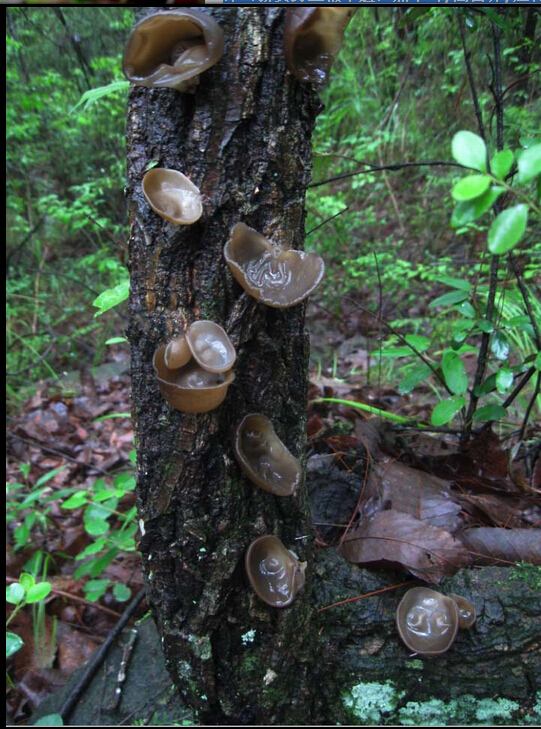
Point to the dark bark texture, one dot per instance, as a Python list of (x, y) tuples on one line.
[(244, 137)]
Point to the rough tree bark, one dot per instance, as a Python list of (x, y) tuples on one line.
[(244, 138)]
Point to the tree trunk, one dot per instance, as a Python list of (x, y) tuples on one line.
[(244, 139)]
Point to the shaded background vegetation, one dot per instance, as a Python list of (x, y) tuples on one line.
[(398, 93)]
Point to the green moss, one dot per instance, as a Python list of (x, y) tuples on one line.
[(367, 703)]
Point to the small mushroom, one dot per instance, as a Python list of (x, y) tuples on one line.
[(177, 353), (312, 38), (190, 389), (275, 573), (466, 611), (278, 278), (172, 195), (427, 621), (264, 458), (171, 48), (210, 346)]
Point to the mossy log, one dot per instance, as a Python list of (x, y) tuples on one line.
[(244, 137)]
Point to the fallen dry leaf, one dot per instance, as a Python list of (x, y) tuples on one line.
[(394, 539)]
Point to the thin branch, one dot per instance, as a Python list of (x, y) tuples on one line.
[(368, 594), (530, 406), (98, 658), (55, 452), (326, 221), (394, 167)]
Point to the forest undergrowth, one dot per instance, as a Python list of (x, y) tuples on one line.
[(428, 318)]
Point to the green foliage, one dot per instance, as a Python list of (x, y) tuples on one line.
[(29, 507), (65, 155), (399, 233)]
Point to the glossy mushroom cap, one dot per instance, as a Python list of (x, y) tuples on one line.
[(190, 389), (427, 621), (274, 572), (264, 458), (466, 611), (172, 195), (172, 48), (177, 353), (275, 277), (210, 346), (312, 38)]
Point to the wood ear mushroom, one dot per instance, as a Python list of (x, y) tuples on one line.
[(172, 196), (312, 38), (171, 48), (264, 458), (275, 573), (427, 621), (276, 277), (194, 371)]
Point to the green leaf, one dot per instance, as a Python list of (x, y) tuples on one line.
[(397, 352), (27, 580), (121, 592), (49, 720), (413, 378), (92, 95), (504, 380), (499, 345), (453, 297), (96, 527), (93, 548), (501, 163), (93, 586), (446, 410), (116, 340), (13, 643), (15, 593), (418, 341), (454, 372), (76, 501), (469, 210), (537, 363), (529, 163), (470, 187), (110, 416), (507, 229), (101, 563), (124, 481), (48, 476), (490, 412), (485, 326), (38, 592), (470, 150), (112, 297), (466, 309), (455, 283)]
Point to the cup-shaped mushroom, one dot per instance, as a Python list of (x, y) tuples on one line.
[(264, 458), (427, 621), (177, 353), (191, 389), (312, 38), (278, 278), (172, 48), (275, 573), (211, 347), (466, 611), (172, 195)]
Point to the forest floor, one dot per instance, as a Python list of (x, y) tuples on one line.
[(74, 437)]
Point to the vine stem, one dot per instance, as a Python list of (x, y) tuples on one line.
[(494, 263)]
